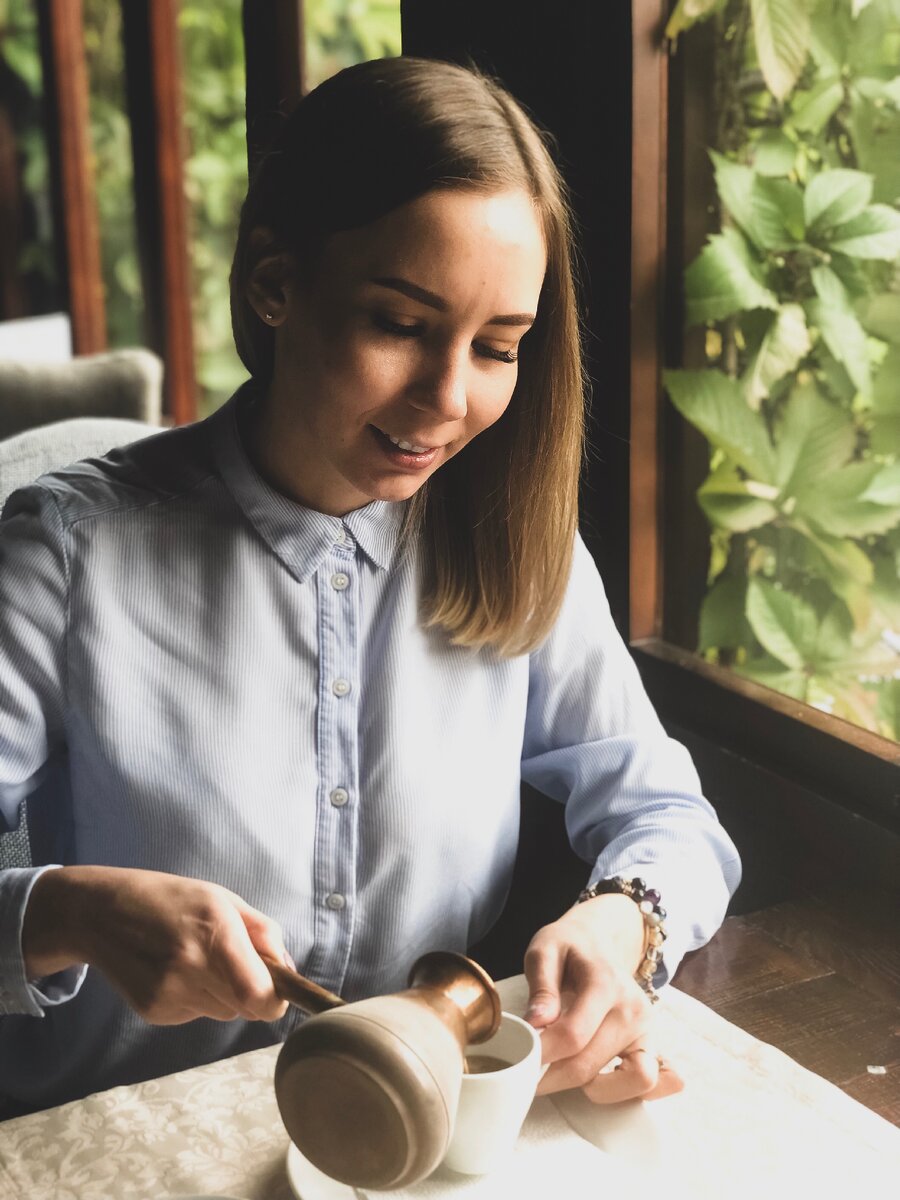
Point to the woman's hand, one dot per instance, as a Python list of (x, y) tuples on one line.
[(582, 995), (175, 948)]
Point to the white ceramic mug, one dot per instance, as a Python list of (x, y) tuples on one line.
[(493, 1105)]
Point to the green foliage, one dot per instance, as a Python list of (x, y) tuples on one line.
[(799, 393), (342, 32), (212, 47), (338, 33)]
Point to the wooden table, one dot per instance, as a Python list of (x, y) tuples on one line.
[(818, 977)]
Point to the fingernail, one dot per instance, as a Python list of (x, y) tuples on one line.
[(536, 1012), (289, 962)]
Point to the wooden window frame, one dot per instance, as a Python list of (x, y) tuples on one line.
[(65, 85)]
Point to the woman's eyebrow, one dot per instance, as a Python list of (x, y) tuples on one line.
[(414, 292)]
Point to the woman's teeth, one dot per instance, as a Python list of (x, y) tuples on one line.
[(408, 446)]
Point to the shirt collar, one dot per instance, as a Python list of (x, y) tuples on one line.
[(299, 536)]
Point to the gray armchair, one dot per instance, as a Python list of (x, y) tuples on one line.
[(43, 426), (123, 383)]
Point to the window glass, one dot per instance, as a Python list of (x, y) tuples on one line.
[(29, 283), (215, 172), (113, 177), (786, 367), (342, 32)]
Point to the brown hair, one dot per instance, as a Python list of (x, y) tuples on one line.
[(496, 523)]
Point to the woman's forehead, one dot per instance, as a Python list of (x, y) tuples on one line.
[(448, 237)]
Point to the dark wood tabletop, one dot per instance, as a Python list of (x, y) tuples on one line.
[(818, 977)]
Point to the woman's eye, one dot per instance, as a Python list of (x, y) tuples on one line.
[(396, 327), (503, 356)]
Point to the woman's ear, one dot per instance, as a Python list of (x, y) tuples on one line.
[(270, 283)]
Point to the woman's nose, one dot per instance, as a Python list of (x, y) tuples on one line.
[(443, 387)]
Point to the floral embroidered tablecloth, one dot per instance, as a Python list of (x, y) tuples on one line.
[(751, 1123)]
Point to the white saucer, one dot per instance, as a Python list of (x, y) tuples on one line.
[(309, 1183)]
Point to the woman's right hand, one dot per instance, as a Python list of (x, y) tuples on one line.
[(175, 948)]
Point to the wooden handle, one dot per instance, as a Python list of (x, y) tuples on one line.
[(298, 990)]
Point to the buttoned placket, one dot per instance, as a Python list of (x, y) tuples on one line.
[(339, 697)]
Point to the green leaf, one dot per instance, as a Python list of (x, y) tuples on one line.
[(734, 182), (886, 390), (814, 438), (839, 327), (690, 12), (838, 503), (884, 488), (715, 405), (879, 89), (723, 280), (834, 196), (774, 153), (814, 109), (880, 315), (736, 504), (833, 640), (785, 343), (770, 211), (784, 624), (875, 136), (773, 674), (723, 624), (781, 31), (841, 560), (889, 707), (873, 233), (884, 436)]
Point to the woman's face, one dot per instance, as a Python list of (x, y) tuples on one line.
[(401, 349)]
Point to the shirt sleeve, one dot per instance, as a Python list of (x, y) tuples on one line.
[(33, 601), (633, 800)]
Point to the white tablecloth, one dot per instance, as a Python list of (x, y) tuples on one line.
[(750, 1123)]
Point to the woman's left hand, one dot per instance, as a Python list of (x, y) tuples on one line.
[(583, 997)]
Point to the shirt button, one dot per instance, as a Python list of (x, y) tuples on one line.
[(340, 581), (335, 901), (341, 687), (339, 797), (340, 537)]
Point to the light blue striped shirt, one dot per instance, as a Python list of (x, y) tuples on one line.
[(198, 675)]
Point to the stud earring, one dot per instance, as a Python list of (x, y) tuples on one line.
[(270, 317)]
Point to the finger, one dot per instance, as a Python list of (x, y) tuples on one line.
[(266, 935), (239, 978), (214, 1008), (669, 1082), (640, 1075), (172, 1011), (582, 1066), (543, 972), (636, 1075), (601, 1019)]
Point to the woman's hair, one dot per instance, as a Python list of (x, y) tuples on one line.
[(497, 522)]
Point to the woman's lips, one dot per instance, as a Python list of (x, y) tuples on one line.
[(406, 459)]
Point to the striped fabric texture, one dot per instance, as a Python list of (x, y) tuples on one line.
[(199, 676)]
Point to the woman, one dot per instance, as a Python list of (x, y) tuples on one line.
[(271, 682)]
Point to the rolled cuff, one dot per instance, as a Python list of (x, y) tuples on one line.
[(17, 994), (695, 902)]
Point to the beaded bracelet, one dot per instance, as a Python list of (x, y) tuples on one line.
[(647, 900)]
